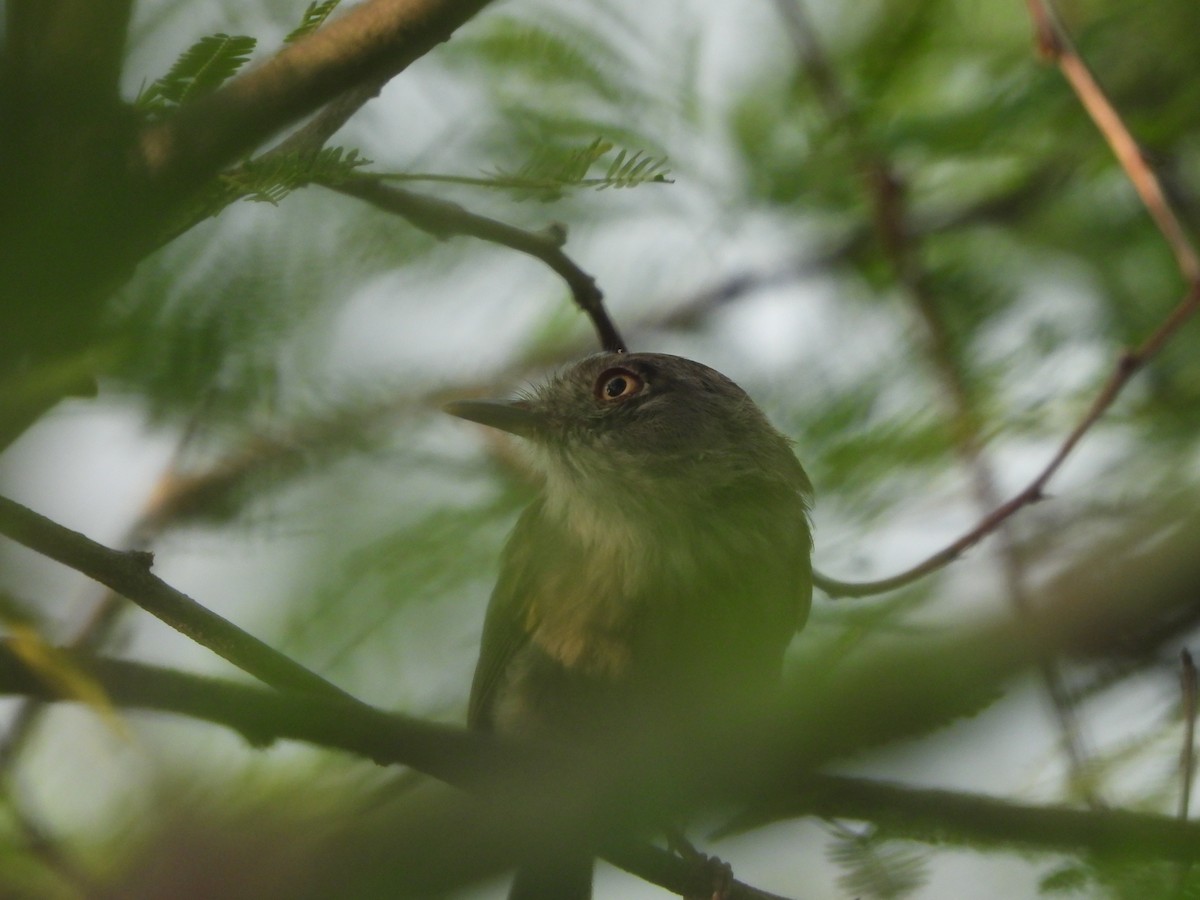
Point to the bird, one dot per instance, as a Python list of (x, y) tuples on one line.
[(659, 573)]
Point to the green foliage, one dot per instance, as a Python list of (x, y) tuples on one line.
[(562, 55), (314, 17), (269, 178), (552, 171), (882, 869), (201, 69), (552, 79), (1069, 879), (272, 176), (357, 608), (1121, 879), (1039, 261)]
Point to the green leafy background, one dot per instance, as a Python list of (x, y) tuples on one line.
[(290, 356)]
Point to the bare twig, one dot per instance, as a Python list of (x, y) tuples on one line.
[(442, 219), (1055, 45), (1129, 363), (128, 573), (686, 877)]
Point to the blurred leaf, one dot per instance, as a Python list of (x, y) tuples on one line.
[(59, 672), (314, 17), (877, 868), (201, 69)]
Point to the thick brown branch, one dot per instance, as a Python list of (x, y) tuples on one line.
[(372, 42)]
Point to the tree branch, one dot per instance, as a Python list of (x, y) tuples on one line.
[(369, 44), (128, 573), (443, 219), (1055, 45), (625, 782), (940, 817), (1128, 364), (469, 759)]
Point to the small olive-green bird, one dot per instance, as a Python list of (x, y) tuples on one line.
[(660, 573)]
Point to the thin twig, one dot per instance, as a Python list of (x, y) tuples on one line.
[(312, 136), (1129, 363), (442, 219), (1055, 45), (105, 612), (1187, 766), (686, 877)]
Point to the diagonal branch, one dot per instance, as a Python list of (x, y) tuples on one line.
[(1129, 364), (128, 573), (498, 771), (1055, 45), (369, 44), (632, 780)]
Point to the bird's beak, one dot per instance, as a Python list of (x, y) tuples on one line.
[(517, 417)]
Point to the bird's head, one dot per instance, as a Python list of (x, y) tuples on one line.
[(634, 427)]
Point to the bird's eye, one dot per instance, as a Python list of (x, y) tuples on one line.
[(615, 385)]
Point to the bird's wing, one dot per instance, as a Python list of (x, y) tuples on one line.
[(504, 632)]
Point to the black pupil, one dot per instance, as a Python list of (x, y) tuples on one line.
[(615, 387)]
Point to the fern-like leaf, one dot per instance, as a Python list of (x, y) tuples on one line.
[(314, 17), (271, 178), (268, 180), (552, 171), (202, 68), (638, 169), (876, 868)]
